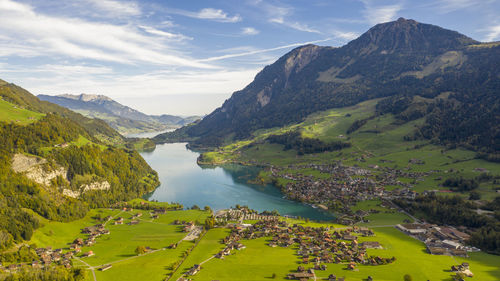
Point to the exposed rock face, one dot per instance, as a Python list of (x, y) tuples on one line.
[(104, 185), (34, 169)]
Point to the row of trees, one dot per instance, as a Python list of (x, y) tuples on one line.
[(294, 140), (458, 212)]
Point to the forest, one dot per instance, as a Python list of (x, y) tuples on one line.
[(294, 140), (457, 211), (128, 174)]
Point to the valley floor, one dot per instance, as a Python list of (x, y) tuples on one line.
[(258, 261)]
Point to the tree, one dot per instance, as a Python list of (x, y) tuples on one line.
[(195, 207), (140, 250), (407, 277), (474, 195), (210, 222), (208, 209)]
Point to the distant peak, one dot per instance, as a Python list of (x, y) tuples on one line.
[(86, 97), (407, 21)]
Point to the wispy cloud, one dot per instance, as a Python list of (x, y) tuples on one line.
[(493, 33), (345, 35), (281, 15), (375, 13), (43, 35), (116, 8), (208, 14), (248, 53), (249, 31), (447, 6), (165, 34)]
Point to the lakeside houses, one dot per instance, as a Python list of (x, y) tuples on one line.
[(346, 185), (188, 227), (241, 214), (439, 240)]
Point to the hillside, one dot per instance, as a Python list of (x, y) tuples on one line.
[(120, 117), (400, 59), (57, 164)]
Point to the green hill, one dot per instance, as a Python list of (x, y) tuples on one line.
[(58, 164)]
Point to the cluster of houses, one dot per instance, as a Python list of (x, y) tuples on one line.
[(346, 185), (47, 257), (462, 269), (316, 246), (241, 214), (440, 240)]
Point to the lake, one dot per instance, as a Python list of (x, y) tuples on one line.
[(185, 182)]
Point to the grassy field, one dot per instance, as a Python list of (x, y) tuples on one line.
[(12, 113), (374, 143), (259, 262), (118, 248), (385, 216)]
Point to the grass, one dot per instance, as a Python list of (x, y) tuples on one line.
[(259, 261), (12, 113), (206, 248), (59, 234), (384, 217), (379, 139)]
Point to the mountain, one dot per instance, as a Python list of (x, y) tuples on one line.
[(121, 117), (403, 58)]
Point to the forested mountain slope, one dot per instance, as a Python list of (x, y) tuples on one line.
[(399, 59), (58, 163)]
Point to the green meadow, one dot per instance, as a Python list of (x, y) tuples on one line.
[(378, 142), (257, 262), (13, 113)]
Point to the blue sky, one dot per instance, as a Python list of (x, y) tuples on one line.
[(186, 57)]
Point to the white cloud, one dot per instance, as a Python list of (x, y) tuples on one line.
[(281, 14), (345, 35), (493, 33), (249, 31), (208, 14), (42, 35), (116, 8), (168, 35), (253, 52), (375, 14), (297, 26), (447, 6)]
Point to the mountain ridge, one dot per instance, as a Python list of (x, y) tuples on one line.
[(402, 57), (118, 116)]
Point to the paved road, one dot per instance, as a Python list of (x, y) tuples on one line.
[(90, 267)]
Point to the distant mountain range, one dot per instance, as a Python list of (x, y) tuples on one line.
[(392, 61), (121, 117)]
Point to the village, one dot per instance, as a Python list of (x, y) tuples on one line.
[(439, 240), (48, 256), (316, 247), (346, 185)]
